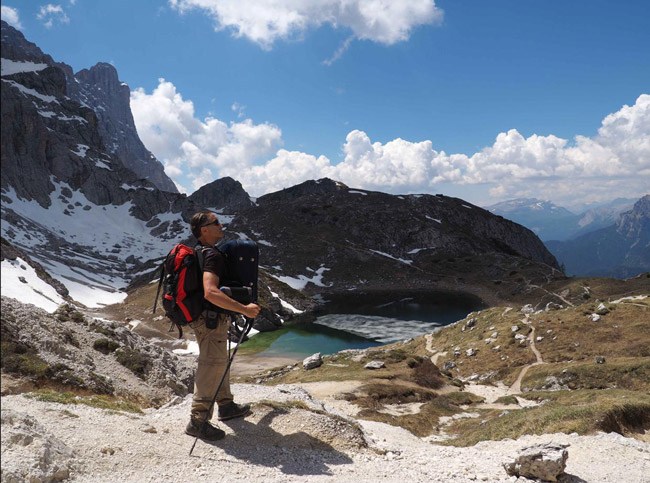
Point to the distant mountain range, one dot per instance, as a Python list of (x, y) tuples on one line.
[(552, 222), (97, 219), (620, 250)]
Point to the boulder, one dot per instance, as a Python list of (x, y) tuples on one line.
[(527, 309), (312, 362), (375, 365), (471, 352), (30, 452), (552, 306), (448, 365), (599, 360), (601, 309), (543, 461), (594, 317)]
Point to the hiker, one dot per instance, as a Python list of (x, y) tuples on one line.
[(213, 354)]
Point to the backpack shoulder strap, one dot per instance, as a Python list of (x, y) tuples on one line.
[(200, 256)]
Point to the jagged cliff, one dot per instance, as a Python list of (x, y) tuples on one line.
[(97, 89)]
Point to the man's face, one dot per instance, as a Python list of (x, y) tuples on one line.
[(212, 231)]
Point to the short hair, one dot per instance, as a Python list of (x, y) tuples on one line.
[(198, 220)]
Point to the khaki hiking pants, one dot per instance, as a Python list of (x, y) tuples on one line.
[(213, 360)]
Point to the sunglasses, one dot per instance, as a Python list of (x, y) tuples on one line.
[(215, 222)]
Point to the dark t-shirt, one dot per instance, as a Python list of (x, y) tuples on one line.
[(213, 262)]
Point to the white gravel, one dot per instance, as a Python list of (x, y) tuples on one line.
[(96, 445)]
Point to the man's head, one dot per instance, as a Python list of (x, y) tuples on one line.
[(206, 227)]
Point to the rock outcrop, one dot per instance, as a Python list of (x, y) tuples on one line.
[(545, 462), (80, 353)]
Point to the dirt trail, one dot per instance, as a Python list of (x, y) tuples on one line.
[(516, 387)]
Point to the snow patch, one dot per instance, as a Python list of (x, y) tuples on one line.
[(81, 150), (433, 219), (31, 92), (380, 329), (355, 192), (301, 281), (10, 67), (383, 254), (285, 304), (32, 291)]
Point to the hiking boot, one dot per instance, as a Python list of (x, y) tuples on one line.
[(203, 430), (233, 410)]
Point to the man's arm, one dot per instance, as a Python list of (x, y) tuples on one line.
[(215, 296)]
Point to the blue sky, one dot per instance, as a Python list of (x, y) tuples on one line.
[(476, 99)]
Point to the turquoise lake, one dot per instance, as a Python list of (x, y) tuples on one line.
[(366, 321)]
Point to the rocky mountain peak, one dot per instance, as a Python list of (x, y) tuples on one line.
[(311, 187), (222, 194), (16, 47), (635, 222)]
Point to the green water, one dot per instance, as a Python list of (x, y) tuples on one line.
[(300, 341), (361, 321)]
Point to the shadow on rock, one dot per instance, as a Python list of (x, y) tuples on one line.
[(567, 478), (297, 453)]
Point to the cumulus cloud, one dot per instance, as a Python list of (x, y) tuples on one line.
[(615, 162), (49, 14), (264, 22), (10, 15), (197, 148)]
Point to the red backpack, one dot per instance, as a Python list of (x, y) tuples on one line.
[(182, 281)]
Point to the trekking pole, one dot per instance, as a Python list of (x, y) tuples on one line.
[(249, 322)]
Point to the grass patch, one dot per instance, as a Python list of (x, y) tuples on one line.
[(464, 398), (425, 422), (21, 359), (626, 373), (582, 412), (427, 374), (105, 346), (100, 329), (97, 401), (507, 400), (136, 361)]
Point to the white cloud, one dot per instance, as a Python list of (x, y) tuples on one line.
[(50, 13), (239, 109), (10, 15), (193, 147), (615, 162), (264, 22)]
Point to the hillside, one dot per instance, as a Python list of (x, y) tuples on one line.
[(492, 383)]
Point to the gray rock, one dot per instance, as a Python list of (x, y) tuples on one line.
[(448, 365), (599, 360), (527, 309), (30, 452), (471, 352), (312, 362), (544, 461), (375, 365), (594, 317), (601, 309), (552, 306)]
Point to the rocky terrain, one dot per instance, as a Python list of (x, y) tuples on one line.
[(461, 404)]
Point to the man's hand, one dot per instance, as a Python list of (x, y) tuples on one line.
[(251, 310)]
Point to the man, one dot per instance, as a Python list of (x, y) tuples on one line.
[(213, 354)]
